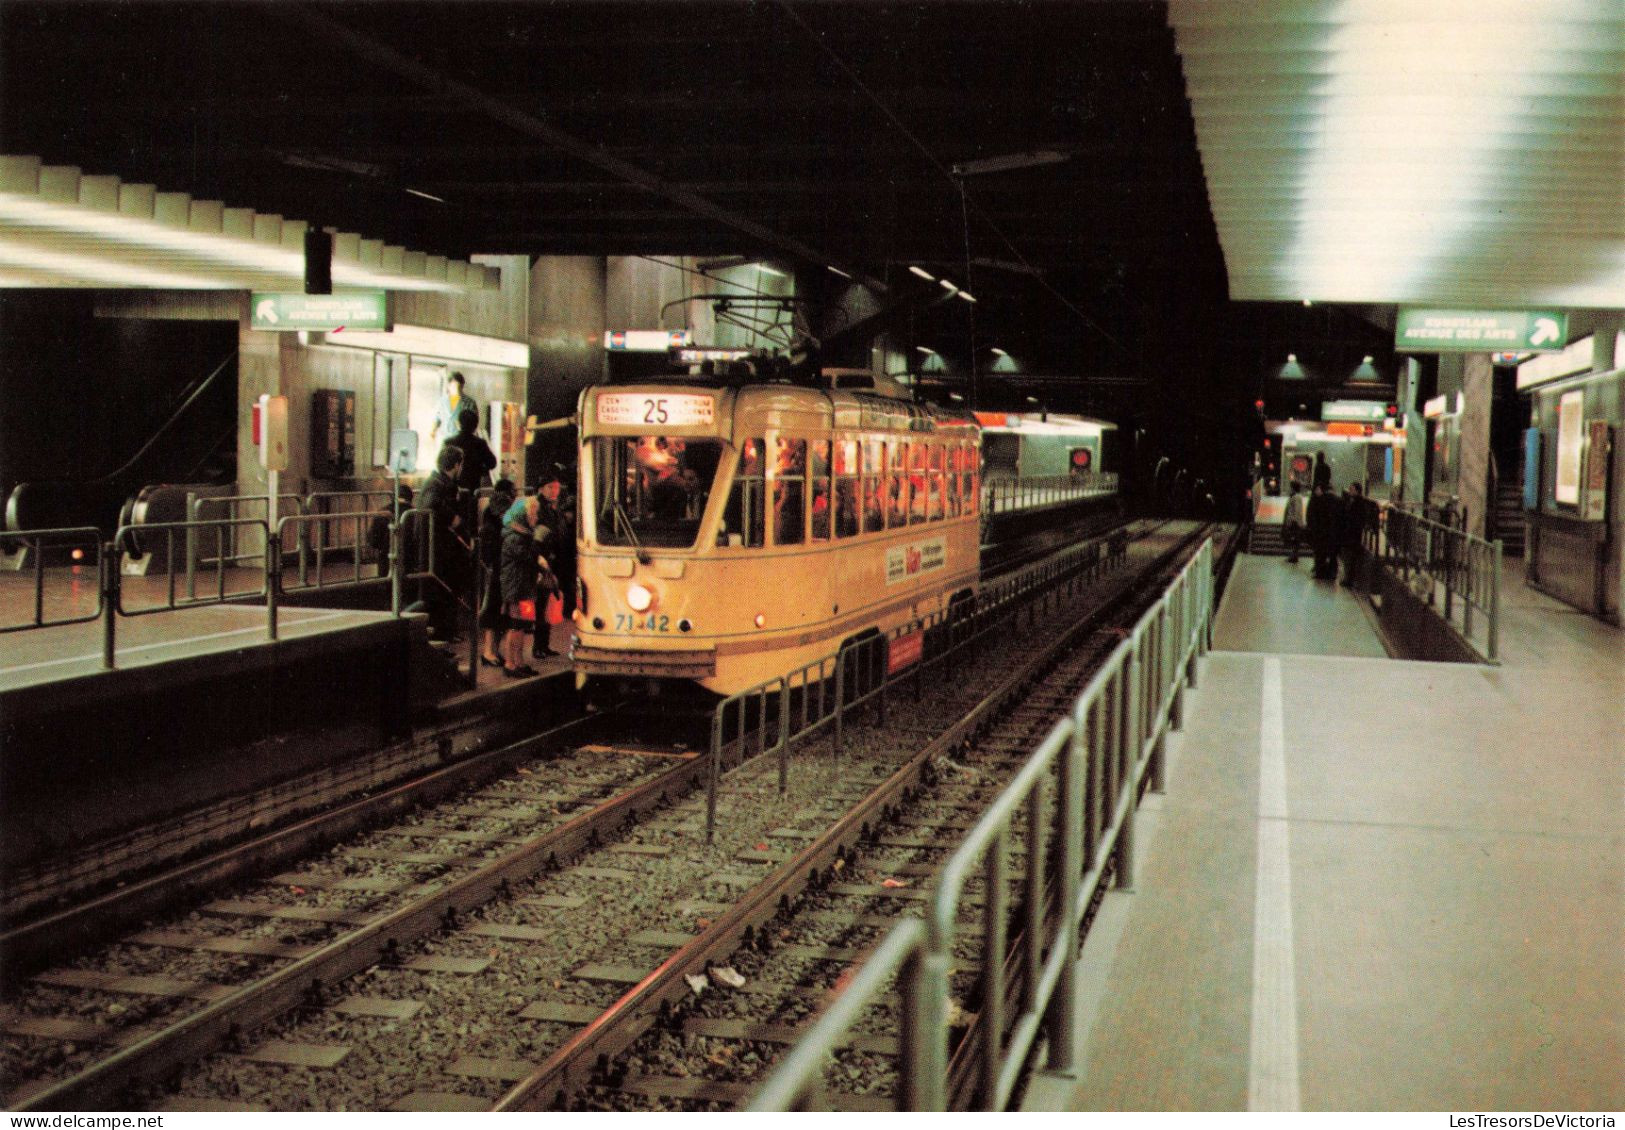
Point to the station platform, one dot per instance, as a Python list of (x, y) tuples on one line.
[(201, 705), (1371, 884)]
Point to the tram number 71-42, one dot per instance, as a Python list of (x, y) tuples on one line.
[(625, 623)]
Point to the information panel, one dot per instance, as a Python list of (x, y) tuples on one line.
[(1479, 331), (353, 310), (1570, 438), (665, 410)]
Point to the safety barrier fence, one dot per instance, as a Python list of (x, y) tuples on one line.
[(79, 547), (1455, 573), (415, 551), (1073, 801), (1001, 496), (205, 548), (774, 715)]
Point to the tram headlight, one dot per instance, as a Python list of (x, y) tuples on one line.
[(640, 598)]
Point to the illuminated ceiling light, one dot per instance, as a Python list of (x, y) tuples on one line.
[(94, 270), (1366, 360), (967, 296), (946, 285), (923, 273), (774, 271), (956, 398), (838, 271), (425, 195), (999, 351), (1306, 302), (232, 262), (925, 349), (1291, 358), (426, 341), (1366, 150)]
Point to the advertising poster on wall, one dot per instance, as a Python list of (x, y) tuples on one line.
[(1598, 445), (1570, 438)]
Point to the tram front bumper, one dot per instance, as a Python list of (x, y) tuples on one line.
[(654, 664)]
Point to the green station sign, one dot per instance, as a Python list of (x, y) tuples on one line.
[(1479, 331), (352, 310)]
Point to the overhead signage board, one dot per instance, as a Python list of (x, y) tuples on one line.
[(645, 341), (1362, 411), (352, 310), (1419, 330), (1576, 357)]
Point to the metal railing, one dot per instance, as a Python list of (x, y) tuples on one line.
[(1096, 757), (40, 544), (1455, 573), (774, 715), (1001, 496)]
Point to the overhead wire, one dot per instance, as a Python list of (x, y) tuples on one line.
[(957, 182)]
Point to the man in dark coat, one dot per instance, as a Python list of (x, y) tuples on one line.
[(441, 543), (1351, 522), (1323, 532)]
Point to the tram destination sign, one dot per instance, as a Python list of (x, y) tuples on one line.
[(352, 310), (681, 410), (1419, 330)]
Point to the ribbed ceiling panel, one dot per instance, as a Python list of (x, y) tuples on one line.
[(1469, 152)]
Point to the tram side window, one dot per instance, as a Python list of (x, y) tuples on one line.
[(846, 488), (874, 485), (819, 481), (917, 482), (789, 491), (968, 482), (744, 521), (897, 489), (950, 482), (935, 481)]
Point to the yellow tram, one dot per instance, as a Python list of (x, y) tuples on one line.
[(732, 533)]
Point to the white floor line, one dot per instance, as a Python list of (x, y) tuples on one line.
[(291, 623), (1272, 1082)]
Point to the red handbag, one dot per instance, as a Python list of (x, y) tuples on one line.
[(527, 610), (555, 608)]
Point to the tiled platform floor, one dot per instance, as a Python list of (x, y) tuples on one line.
[(1372, 884)]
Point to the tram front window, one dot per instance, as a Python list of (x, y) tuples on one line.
[(652, 490)]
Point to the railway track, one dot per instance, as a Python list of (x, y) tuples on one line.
[(405, 903)]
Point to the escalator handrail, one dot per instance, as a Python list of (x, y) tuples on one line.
[(163, 428)]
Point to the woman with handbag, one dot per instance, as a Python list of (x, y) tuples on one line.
[(521, 572)]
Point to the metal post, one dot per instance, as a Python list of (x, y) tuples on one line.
[(109, 583), (784, 733), (273, 579), (912, 1028), (713, 772), (840, 698), (995, 910), (931, 1068), (39, 579), (1036, 805), (1495, 604), (1130, 741), (191, 546), (1061, 1017), (304, 539), (395, 564)]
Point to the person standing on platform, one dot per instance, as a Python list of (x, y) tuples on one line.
[(1322, 515), (453, 403), (1323, 473), (1294, 521), (493, 622), (555, 541), (521, 569), (444, 545), (478, 463), (1350, 531)]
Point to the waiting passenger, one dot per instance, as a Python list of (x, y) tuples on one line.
[(521, 569), (493, 623), (1351, 522), (447, 552), (1292, 524), (1322, 514)]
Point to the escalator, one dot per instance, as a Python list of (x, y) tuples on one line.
[(195, 443)]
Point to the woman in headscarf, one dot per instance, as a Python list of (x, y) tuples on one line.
[(521, 567)]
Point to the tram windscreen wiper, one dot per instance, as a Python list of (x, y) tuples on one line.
[(624, 524)]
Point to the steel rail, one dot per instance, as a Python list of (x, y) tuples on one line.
[(230, 1018), (29, 945), (574, 1065)]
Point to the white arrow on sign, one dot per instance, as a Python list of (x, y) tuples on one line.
[(267, 311), (1545, 330)]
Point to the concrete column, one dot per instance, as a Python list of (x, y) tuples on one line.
[(1474, 486)]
